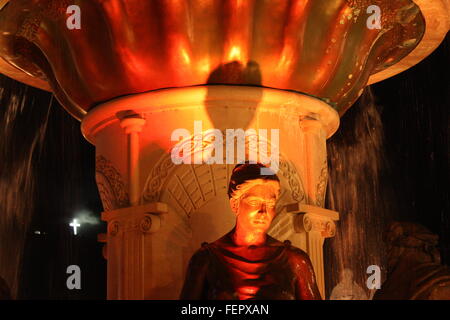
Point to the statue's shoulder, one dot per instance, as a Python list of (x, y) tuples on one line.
[(295, 253), (272, 242), (292, 251), (202, 255)]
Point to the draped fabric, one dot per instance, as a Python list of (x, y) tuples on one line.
[(276, 271)]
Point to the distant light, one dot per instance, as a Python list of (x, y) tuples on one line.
[(75, 225), (37, 232)]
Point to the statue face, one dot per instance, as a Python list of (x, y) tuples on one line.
[(255, 209)]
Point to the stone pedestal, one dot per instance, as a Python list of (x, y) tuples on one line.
[(139, 182)]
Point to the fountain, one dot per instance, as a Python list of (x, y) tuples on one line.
[(136, 71)]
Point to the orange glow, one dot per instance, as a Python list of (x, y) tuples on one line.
[(235, 54), (185, 55), (290, 52), (330, 59), (246, 292), (204, 66), (239, 36), (128, 47), (287, 58)]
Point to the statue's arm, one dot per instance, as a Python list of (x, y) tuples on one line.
[(196, 285), (306, 285)]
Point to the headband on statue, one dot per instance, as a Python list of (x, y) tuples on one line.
[(246, 172)]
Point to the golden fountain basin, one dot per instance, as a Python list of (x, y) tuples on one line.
[(322, 48)]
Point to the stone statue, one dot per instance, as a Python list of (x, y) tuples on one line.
[(246, 263), (414, 268), (347, 289)]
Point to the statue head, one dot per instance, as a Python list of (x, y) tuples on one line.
[(253, 197)]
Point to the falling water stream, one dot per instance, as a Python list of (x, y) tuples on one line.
[(47, 178), (355, 155), (23, 123), (390, 161)]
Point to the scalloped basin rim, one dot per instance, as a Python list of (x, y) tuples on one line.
[(333, 84), (437, 21), (436, 30)]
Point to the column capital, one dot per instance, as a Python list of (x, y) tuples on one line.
[(315, 223), (144, 218), (132, 123), (310, 124), (314, 219)]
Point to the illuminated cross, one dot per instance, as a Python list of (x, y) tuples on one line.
[(75, 225)]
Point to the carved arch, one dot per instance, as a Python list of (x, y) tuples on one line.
[(192, 185)]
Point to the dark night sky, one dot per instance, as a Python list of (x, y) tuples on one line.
[(398, 135), (66, 179), (415, 115), (414, 108)]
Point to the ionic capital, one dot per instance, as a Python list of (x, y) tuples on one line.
[(145, 218), (314, 219)]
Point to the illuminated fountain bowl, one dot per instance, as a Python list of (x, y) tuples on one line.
[(322, 48)]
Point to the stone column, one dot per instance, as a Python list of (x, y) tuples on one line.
[(129, 249), (315, 158), (132, 124), (318, 224)]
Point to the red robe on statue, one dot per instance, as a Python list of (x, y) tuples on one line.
[(276, 271)]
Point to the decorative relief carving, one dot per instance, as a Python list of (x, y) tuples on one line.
[(113, 228), (29, 28), (312, 223), (330, 229), (158, 176), (307, 223), (288, 171), (49, 10), (110, 185), (105, 191), (146, 224), (322, 185), (197, 143), (137, 222)]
